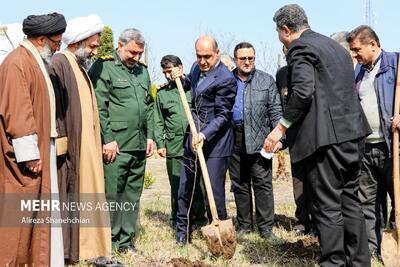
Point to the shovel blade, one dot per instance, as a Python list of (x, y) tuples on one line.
[(390, 249), (220, 238)]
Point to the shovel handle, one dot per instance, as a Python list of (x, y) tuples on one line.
[(396, 158), (200, 153)]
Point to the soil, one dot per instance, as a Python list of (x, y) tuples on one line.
[(304, 248), (228, 239), (182, 262)]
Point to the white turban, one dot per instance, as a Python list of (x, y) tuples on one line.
[(80, 28)]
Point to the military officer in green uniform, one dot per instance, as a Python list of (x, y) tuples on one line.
[(123, 92), (170, 124)]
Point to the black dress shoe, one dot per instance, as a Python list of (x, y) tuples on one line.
[(129, 249), (105, 262), (172, 224), (181, 241), (244, 230), (268, 234), (313, 232)]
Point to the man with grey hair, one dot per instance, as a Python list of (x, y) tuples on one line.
[(326, 128), (228, 61), (123, 91), (341, 38)]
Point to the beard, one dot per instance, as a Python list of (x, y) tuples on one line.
[(130, 64), (245, 71), (46, 54), (83, 58)]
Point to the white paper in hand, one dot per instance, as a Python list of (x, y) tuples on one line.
[(266, 154)]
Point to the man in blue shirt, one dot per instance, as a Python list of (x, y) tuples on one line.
[(256, 111)]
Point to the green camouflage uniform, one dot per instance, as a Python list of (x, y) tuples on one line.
[(170, 124), (125, 106)]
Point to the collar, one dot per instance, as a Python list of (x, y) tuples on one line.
[(66, 50), (117, 59), (118, 62), (204, 74)]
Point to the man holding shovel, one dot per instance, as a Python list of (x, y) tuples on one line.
[(213, 89), (375, 83)]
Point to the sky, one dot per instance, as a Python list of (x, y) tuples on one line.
[(171, 27)]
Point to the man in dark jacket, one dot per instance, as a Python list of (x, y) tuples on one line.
[(375, 83), (256, 111), (330, 128), (213, 89), (301, 194)]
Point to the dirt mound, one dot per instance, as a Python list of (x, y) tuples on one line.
[(304, 248), (224, 231), (182, 262)]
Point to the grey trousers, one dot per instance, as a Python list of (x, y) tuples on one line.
[(376, 180)]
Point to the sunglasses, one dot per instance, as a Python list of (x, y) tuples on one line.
[(251, 59)]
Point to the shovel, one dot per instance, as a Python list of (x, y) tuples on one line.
[(220, 234), (390, 246)]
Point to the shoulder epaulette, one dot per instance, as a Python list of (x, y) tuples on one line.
[(107, 57), (143, 64), (162, 86)]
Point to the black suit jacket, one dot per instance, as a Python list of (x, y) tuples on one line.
[(323, 103), (212, 103)]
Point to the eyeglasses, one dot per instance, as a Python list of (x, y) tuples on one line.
[(250, 59), (58, 43)]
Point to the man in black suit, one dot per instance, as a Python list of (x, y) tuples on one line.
[(328, 127), (303, 225)]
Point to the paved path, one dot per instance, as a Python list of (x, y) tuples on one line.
[(283, 193)]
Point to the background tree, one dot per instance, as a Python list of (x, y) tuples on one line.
[(153, 65), (106, 42)]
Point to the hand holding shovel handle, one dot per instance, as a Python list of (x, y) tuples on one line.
[(200, 153)]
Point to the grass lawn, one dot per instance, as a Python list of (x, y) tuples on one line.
[(156, 243)]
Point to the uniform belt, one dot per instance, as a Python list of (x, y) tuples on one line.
[(238, 123), (239, 127)]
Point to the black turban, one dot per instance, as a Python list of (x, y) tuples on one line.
[(44, 25)]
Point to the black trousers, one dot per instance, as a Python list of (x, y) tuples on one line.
[(333, 173), (198, 208), (247, 171), (376, 181), (301, 193), (191, 177)]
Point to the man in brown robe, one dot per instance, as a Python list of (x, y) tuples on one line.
[(27, 146), (80, 170)]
